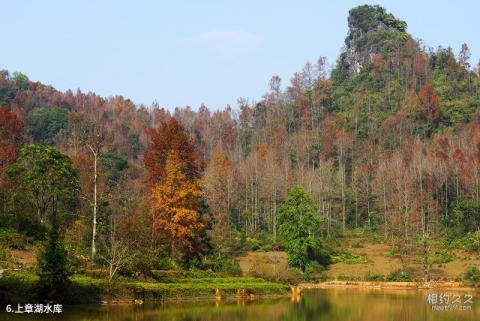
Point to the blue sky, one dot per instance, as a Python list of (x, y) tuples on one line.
[(191, 52)]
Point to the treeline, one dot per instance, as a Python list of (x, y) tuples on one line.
[(389, 140)]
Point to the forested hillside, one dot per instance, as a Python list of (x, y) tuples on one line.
[(388, 141)]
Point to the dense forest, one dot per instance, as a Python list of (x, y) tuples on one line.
[(387, 140)]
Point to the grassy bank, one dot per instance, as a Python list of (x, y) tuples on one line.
[(360, 258), (208, 287), (17, 287)]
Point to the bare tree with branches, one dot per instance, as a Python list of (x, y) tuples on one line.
[(115, 255)]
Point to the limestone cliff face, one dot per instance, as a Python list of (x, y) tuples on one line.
[(371, 31)]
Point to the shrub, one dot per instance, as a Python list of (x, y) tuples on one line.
[(18, 287), (6, 259), (390, 254), (165, 263), (373, 235), (374, 277), (472, 275), (9, 237), (442, 257), (466, 215), (84, 289), (437, 258), (469, 241), (312, 271), (349, 258), (96, 273), (343, 277), (357, 231), (220, 263), (29, 225), (253, 244), (357, 245), (400, 276), (261, 241), (145, 261)]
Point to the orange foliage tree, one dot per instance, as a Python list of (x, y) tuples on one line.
[(175, 203), (430, 102), (171, 135), (10, 137)]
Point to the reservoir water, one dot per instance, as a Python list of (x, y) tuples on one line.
[(316, 304)]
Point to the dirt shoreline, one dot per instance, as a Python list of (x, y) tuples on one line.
[(445, 285), (367, 285), (224, 298)]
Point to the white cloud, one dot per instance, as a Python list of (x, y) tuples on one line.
[(229, 40)]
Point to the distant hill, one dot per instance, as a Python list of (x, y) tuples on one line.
[(389, 142)]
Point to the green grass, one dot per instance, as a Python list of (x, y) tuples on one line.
[(222, 280), (437, 258), (188, 287), (349, 258), (21, 287), (17, 287), (162, 275)]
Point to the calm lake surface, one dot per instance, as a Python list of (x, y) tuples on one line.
[(318, 304)]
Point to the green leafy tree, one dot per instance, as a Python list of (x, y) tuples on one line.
[(466, 214), (114, 164), (53, 263), (48, 178), (299, 229), (46, 125)]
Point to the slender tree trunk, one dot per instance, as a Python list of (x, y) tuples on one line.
[(446, 194), (172, 248), (275, 215), (342, 179), (356, 207), (94, 230), (384, 208)]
